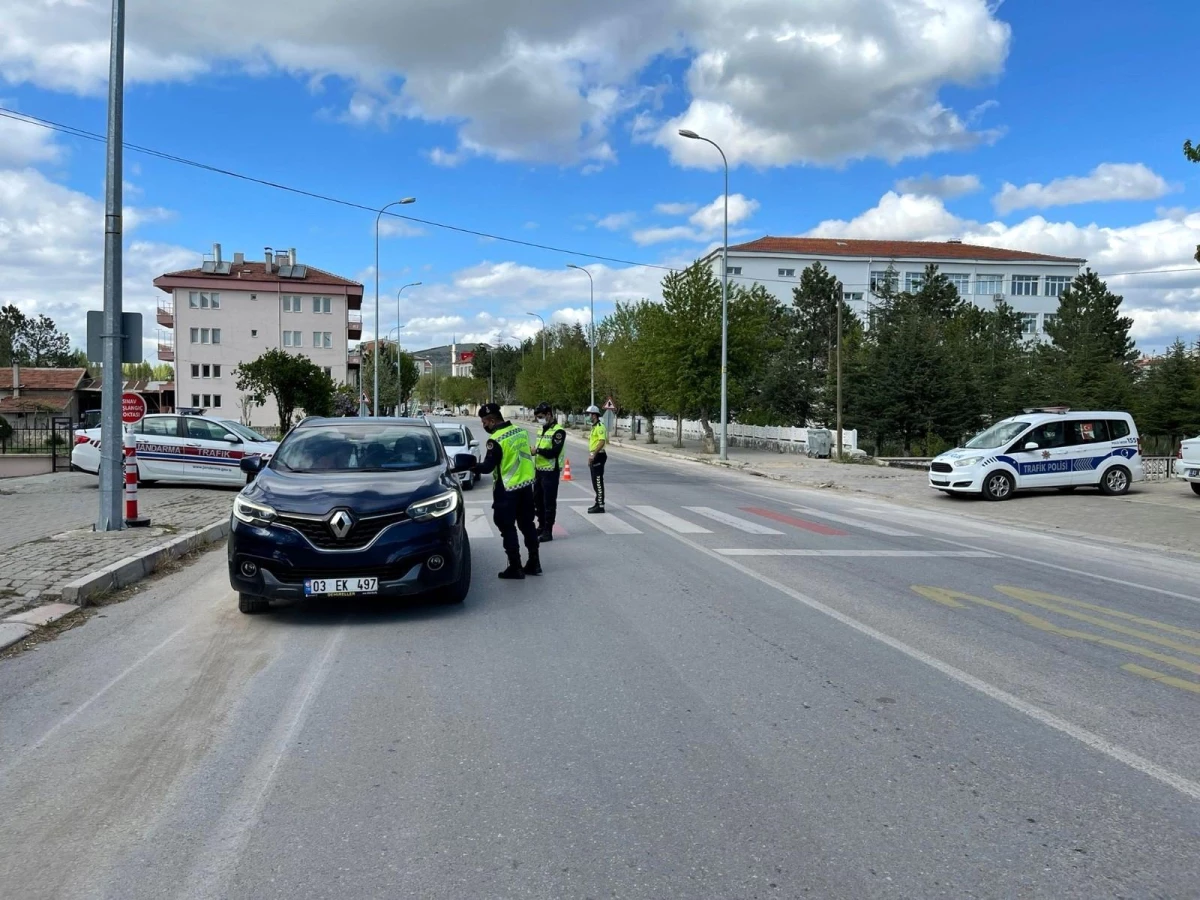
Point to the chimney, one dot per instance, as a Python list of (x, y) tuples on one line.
[(217, 253), (239, 259), (281, 257), (270, 260), (16, 381), (292, 256)]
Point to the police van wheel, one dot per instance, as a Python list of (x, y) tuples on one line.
[(998, 486), (1195, 488), (1115, 481)]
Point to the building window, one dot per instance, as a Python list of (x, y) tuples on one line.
[(195, 399), (1025, 285), (254, 296), (1029, 322), (913, 281), (217, 401), (323, 305), (322, 340), (207, 400), (195, 371), (204, 335), (852, 296), (194, 300), (329, 371), (989, 285), (961, 282), (216, 371), (733, 270), (195, 334), (1056, 284), (1047, 320), (292, 339), (787, 273), (882, 281), (207, 371), (292, 303), (253, 332), (216, 334)]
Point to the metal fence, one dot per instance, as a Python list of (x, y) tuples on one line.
[(53, 439)]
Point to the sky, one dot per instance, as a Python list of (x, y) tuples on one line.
[(1047, 126)]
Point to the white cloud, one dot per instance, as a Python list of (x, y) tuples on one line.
[(390, 226), (675, 209), (617, 221), (940, 186), (446, 158), (705, 223), (24, 144), (545, 80), (1164, 304), (1108, 181)]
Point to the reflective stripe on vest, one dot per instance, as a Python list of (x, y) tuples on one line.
[(516, 461), (545, 442)]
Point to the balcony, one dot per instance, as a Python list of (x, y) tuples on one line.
[(166, 352), (166, 314), (354, 359), (354, 325)]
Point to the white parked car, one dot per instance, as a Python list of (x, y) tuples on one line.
[(460, 439), (1044, 448), (182, 449), (1187, 463)]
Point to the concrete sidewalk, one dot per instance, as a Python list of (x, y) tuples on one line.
[(49, 552)]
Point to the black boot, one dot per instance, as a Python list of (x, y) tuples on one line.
[(598, 508), (514, 570), (534, 566), (545, 537)]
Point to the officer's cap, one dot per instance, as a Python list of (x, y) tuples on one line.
[(489, 409)]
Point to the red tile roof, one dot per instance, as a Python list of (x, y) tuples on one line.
[(53, 401), (46, 379), (885, 250), (257, 271)]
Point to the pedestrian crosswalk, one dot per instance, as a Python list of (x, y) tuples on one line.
[(691, 520)]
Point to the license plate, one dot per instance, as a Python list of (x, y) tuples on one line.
[(313, 586)]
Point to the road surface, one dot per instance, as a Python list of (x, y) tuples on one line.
[(723, 688)]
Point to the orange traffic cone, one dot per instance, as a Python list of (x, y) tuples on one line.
[(566, 475)]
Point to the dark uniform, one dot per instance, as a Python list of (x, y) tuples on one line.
[(509, 458), (548, 461)]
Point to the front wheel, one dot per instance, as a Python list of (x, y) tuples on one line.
[(998, 486), (456, 593), (1195, 488), (1115, 481), (251, 605)]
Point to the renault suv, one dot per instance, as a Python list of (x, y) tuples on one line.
[(351, 507)]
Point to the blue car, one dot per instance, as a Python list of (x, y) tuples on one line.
[(349, 508)]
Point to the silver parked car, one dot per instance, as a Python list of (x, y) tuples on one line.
[(460, 439)]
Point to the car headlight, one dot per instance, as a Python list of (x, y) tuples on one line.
[(434, 507), (252, 513), (966, 461)]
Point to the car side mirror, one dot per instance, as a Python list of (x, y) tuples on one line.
[(1032, 445), (232, 438), (252, 465), (463, 462), (474, 445)]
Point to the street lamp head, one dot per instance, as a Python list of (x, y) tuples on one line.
[(408, 200), (688, 133), (573, 266)]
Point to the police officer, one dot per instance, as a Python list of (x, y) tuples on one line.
[(597, 456), (510, 459), (548, 460)]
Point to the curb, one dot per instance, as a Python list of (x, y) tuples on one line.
[(74, 595)]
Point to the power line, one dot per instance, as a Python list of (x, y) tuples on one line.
[(350, 204)]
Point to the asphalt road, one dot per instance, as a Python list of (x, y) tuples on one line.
[(733, 690)]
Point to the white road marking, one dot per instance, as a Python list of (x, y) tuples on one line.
[(969, 554), (607, 522), (1180, 783), (854, 523), (733, 521), (683, 526), (478, 526)]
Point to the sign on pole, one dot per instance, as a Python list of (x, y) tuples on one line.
[(608, 404), (133, 407)]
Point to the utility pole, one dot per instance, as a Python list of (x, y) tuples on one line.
[(839, 378), (111, 434)]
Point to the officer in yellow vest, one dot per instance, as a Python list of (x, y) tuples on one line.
[(511, 460), (597, 456), (548, 460)]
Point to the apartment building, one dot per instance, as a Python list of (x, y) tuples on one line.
[(1029, 282), (227, 312)]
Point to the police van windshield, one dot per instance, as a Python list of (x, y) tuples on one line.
[(998, 435)]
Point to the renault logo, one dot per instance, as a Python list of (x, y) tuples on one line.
[(340, 524)]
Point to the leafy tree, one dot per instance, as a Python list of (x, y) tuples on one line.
[(345, 401), (1192, 153), (1169, 402), (628, 361), (142, 371), (293, 380), (39, 343), (391, 391), (12, 322)]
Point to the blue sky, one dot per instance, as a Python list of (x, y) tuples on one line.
[(555, 124)]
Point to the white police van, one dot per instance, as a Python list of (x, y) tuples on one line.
[(1044, 448)]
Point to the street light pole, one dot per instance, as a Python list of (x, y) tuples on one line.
[(688, 133), (543, 321), (592, 325), (375, 362), (399, 380)]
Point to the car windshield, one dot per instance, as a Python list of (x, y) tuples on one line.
[(997, 436), (242, 431), (452, 437), (367, 447)]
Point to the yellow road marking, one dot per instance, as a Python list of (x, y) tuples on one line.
[(950, 598), (1051, 603), (1161, 678), (1115, 613)]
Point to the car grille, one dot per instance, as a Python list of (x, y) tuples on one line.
[(941, 467), (365, 530)]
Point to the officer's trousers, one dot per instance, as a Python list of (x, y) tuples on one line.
[(597, 470), (545, 498), (513, 511)]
